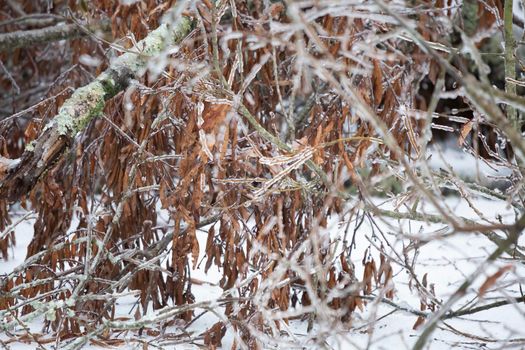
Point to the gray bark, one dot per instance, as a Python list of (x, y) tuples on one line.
[(26, 38)]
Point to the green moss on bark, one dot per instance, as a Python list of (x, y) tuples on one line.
[(88, 102)]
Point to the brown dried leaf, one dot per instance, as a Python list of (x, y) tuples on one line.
[(419, 322), (214, 115), (213, 336), (491, 280), (465, 130), (377, 82), (369, 273), (195, 248)]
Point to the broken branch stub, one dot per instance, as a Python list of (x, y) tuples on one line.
[(85, 104)]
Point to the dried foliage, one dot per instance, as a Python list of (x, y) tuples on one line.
[(266, 122)]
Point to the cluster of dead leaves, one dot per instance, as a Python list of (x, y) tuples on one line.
[(204, 161)]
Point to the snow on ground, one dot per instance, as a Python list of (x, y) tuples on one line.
[(450, 158), (447, 262), (24, 234)]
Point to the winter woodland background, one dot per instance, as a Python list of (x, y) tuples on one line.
[(249, 174)]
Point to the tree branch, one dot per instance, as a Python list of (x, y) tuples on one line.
[(85, 104), (25, 38), (35, 20), (510, 62)]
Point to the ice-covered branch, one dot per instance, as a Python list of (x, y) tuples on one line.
[(85, 104)]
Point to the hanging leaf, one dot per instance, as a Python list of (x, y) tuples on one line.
[(492, 279)]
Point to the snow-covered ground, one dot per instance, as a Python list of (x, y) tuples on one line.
[(448, 258), (446, 261), (469, 168)]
